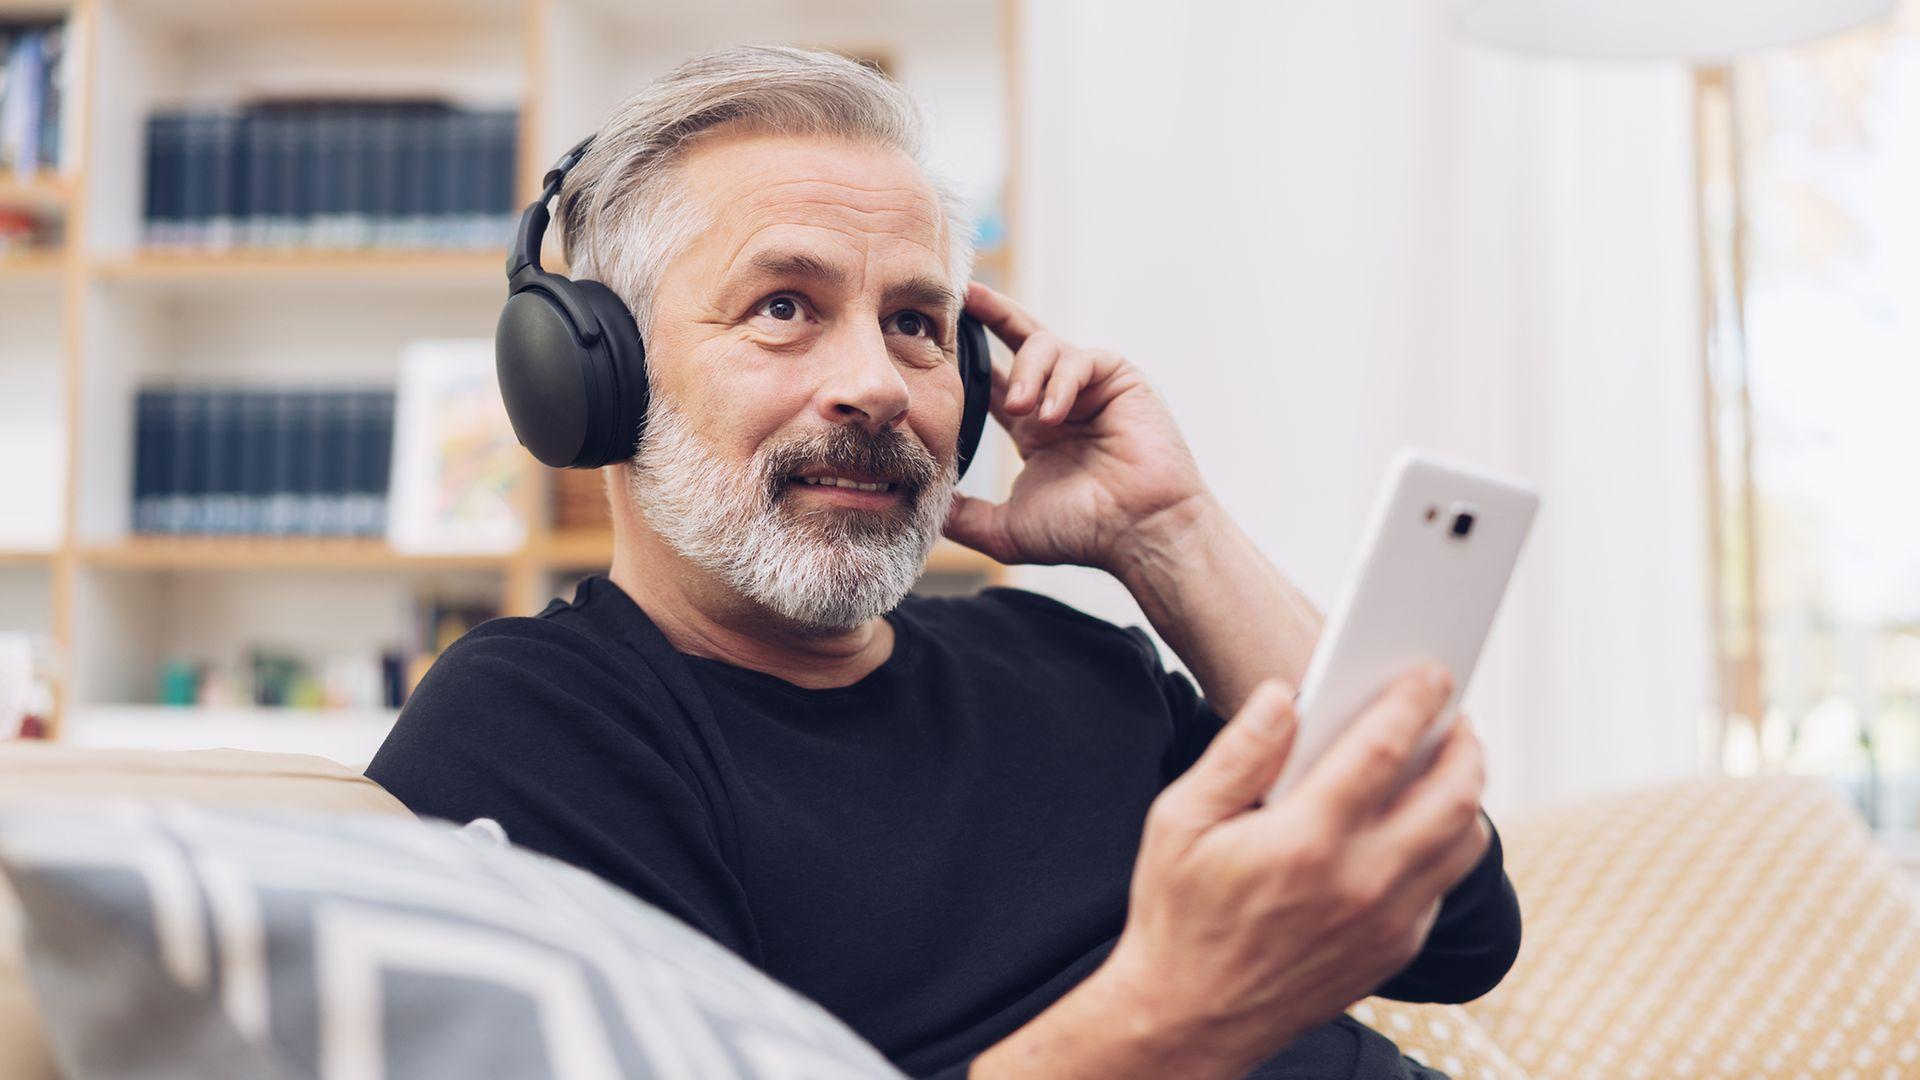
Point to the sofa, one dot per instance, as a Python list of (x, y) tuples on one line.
[(1705, 927)]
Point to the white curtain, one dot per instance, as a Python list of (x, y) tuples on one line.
[(1327, 230)]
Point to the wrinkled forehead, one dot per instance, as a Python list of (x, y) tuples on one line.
[(867, 205)]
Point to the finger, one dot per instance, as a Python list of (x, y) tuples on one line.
[(1031, 368), (999, 313), (980, 525), (1243, 760), (997, 394), (1435, 810), (1069, 376), (1357, 774), (1454, 863)]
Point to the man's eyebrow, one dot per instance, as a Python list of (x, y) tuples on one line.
[(926, 292), (797, 264)]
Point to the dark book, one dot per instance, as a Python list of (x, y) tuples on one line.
[(383, 172), (503, 145), (373, 459), (303, 158), (152, 463), (53, 48), (259, 412), (188, 513), (221, 445), (334, 460), (263, 145), (196, 178), (162, 186), (284, 449), (222, 173), (330, 132)]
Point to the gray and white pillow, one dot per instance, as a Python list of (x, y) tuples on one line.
[(165, 939)]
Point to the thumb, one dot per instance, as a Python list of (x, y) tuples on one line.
[(980, 525), (1245, 758)]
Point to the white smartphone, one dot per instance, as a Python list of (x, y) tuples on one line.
[(1441, 544)]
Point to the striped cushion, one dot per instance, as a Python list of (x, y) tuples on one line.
[(168, 939)]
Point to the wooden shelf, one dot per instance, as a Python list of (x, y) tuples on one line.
[(43, 191), (274, 553), (307, 267), (576, 549), (38, 266), (26, 557)]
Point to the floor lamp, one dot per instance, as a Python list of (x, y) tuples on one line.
[(1706, 35)]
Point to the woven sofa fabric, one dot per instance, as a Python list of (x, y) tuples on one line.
[(1709, 928), (169, 939), (36, 772)]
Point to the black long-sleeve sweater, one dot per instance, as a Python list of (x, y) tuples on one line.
[(934, 853)]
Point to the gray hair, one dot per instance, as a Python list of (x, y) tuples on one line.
[(623, 214)]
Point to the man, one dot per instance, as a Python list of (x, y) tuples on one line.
[(993, 834)]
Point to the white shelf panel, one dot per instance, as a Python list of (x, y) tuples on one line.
[(349, 737)]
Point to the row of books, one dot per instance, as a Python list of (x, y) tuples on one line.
[(33, 60), (288, 461), (331, 174)]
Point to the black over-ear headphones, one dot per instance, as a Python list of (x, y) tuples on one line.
[(573, 371)]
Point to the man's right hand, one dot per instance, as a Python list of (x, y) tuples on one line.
[(1248, 924)]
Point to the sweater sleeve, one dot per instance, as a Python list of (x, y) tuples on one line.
[(528, 724), (1474, 941)]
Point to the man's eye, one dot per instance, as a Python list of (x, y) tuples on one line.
[(783, 308), (912, 324)]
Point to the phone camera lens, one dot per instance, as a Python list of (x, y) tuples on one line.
[(1462, 524)]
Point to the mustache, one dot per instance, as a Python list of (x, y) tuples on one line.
[(888, 455)]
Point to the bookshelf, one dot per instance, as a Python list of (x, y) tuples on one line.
[(90, 320)]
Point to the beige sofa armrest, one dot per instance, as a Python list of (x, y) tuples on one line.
[(1709, 927)]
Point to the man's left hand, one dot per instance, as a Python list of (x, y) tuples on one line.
[(1105, 471)]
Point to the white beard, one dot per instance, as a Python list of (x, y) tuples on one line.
[(826, 569)]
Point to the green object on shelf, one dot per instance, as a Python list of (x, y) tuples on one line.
[(179, 682)]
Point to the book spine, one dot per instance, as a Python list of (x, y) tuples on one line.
[(499, 210), (189, 461), (303, 452), (256, 460), (302, 158), (379, 474), (286, 222), (334, 459), (357, 173), (383, 168), (328, 126), (223, 460), (223, 131), (154, 231), (196, 175), (147, 459), (283, 480), (54, 55), (262, 143)]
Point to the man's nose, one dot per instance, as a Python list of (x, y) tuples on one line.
[(863, 383)]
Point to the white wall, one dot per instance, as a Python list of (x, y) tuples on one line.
[(1327, 230)]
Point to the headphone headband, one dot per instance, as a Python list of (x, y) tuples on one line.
[(532, 230)]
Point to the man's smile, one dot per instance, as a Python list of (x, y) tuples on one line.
[(841, 489)]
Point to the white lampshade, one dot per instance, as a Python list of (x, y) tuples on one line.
[(1657, 29)]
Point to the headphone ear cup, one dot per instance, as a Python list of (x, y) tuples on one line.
[(576, 395), (542, 369), (976, 382), (624, 360)]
